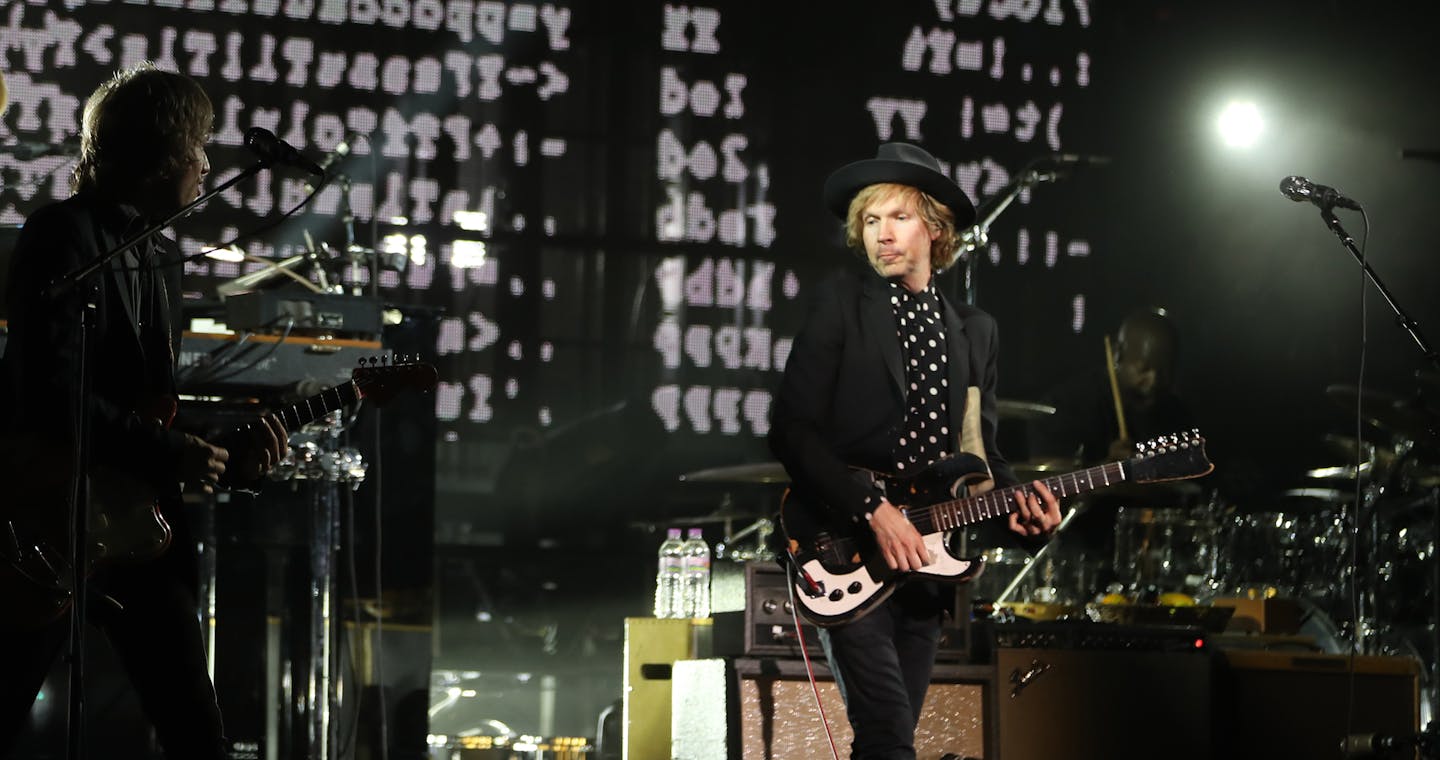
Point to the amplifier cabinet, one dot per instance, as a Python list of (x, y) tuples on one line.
[(764, 709), (1272, 705), (1092, 704), (651, 648)]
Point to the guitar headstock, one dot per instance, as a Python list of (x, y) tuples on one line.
[(383, 377), (1179, 456)]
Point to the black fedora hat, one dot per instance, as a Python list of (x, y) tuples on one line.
[(903, 164)]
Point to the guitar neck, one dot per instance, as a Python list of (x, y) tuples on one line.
[(947, 515), (319, 405)]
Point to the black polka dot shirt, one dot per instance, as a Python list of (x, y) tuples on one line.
[(925, 437)]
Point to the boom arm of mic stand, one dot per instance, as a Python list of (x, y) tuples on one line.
[(69, 281), (977, 235), (1401, 318)]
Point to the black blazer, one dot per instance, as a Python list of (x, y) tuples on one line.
[(131, 348), (842, 400)]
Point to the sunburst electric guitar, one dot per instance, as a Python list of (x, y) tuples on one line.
[(125, 524), (840, 574)]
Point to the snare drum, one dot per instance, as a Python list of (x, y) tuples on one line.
[(1169, 550)]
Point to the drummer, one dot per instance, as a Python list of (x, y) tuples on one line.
[(1086, 424), (1091, 428)]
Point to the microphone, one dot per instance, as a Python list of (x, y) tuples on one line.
[(1078, 159), (272, 149), (1300, 189)]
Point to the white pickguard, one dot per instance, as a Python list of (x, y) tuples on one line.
[(858, 587)]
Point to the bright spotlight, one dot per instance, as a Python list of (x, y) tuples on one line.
[(1240, 124)]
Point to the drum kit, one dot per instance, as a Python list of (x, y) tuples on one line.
[(1179, 545)]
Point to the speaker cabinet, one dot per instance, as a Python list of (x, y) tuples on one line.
[(1081, 704), (651, 648), (1274, 705), (764, 709)]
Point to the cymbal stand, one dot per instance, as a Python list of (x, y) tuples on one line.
[(1004, 596), (762, 528), (320, 457)]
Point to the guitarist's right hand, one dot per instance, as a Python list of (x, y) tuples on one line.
[(900, 543), (202, 464)]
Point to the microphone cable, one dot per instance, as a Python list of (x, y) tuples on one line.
[(1355, 590)]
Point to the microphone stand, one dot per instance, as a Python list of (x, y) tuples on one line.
[(977, 236), (79, 495), (1403, 320), (67, 282)]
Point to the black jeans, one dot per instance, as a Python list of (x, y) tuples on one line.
[(882, 664), (157, 639)]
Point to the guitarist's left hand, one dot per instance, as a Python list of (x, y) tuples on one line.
[(255, 448), (1039, 512)]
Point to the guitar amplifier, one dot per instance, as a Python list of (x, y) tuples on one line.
[(766, 626), (302, 310)]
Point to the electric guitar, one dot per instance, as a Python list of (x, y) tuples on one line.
[(840, 574), (125, 524)]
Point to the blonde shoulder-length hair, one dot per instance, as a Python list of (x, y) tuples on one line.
[(934, 213)]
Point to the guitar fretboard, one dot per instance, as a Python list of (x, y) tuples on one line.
[(948, 515), (319, 405)]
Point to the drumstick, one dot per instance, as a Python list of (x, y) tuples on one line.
[(1115, 389)]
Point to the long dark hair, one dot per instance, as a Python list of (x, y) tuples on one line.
[(140, 126)]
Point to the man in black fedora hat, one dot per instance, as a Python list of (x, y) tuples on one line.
[(888, 376)]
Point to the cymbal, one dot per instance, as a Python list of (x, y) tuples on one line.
[(1296, 496), (1039, 468), (1339, 472), (1402, 416), (762, 473), (724, 514), (1012, 409), (1344, 446)]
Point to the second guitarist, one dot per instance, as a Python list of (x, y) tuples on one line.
[(878, 378), (142, 158)]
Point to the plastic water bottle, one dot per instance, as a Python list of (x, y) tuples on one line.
[(696, 576), (667, 578)]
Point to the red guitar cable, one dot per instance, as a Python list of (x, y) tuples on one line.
[(805, 653)]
